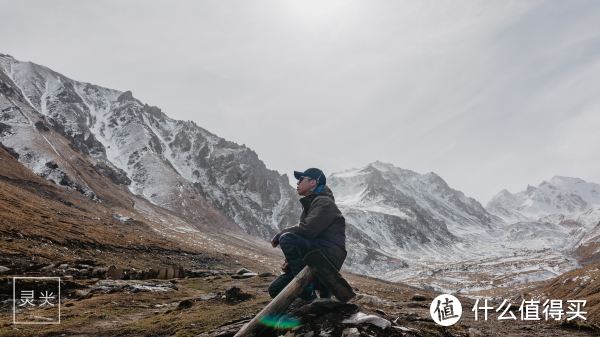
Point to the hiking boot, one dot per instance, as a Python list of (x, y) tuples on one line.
[(309, 293), (298, 303)]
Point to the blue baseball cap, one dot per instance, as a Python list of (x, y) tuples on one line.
[(313, 173)]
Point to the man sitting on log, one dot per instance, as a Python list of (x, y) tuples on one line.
[(321, 226)]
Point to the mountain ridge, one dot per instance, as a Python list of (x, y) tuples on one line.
[(121, 132)]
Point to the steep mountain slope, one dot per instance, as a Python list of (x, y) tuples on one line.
[(174, 164), (42, 223), (579, 284), (588, 248)]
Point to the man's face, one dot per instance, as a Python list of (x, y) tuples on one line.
[(305, 186)]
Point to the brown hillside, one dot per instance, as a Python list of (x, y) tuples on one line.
[(579, 284)]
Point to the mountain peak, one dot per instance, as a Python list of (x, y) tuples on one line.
[(381, 166), (562, 180), (504, 192), (433, 175), (125, 97)]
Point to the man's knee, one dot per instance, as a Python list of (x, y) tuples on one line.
[(291, 240)]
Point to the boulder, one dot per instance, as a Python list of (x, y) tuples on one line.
[(362, 318), (235, 294)]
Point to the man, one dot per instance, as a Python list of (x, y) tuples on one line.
[(321, 226)]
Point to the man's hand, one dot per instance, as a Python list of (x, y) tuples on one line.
[(285, 267), (275, 241)]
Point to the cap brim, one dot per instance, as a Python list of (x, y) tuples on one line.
[(298, 174)]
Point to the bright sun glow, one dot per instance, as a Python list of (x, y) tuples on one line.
[(316, 11)]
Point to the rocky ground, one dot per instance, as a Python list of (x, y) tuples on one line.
[(218, 301)]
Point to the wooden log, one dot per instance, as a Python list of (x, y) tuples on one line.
[(328, 275), (280, 303)]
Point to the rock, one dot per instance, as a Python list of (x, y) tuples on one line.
[(42, 127), (235, 294), (418, 297), (209, 296), (381, 312), (325, 333), (99, 272), (51, 165), (212, 278), (73, 271), (111, 286), (185, 304), (361, 317), (82, 294), (267, 274), (243, 276), (371, 300), (242, 271), (48, 267), (202, 272), (475, 333), (351, 332)]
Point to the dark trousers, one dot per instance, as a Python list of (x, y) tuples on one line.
[(294, 248)]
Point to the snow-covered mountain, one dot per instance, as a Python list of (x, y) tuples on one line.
[(174, 164), (555, 200), (410, 214), (453, 243), (561, 213)]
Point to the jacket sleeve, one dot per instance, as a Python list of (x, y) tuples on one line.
[(321, 214)]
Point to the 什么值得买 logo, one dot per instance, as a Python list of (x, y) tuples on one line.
[(446, 310)]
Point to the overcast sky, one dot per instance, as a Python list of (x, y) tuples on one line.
[(487, 94)]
